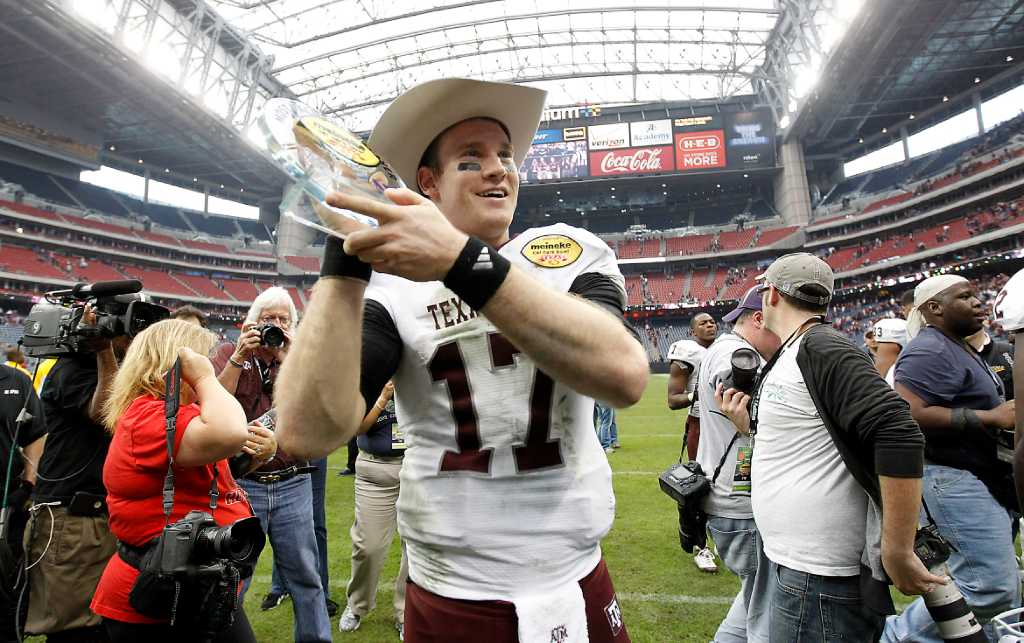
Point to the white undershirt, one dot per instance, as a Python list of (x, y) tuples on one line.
[(810, 510)]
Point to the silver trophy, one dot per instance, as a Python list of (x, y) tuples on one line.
[(320, 156)]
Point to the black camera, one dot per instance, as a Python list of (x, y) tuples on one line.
[(270, 335), (685, 482), (744, 362), (197, 540), (54, 327)]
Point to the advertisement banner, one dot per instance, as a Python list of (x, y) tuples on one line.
[(574, 133), (547, 136), (552, 161), (698, 123), (609, 137), (700, 151), (639, 160), (750, 140), (649, 133)]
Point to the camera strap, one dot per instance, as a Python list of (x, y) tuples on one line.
[(725, 455), (172, 401)]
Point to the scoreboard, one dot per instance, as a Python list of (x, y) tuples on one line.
[(707, 143)]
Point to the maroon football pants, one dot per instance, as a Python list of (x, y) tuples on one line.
[(430, 618)]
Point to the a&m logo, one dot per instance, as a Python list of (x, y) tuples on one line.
[(559, 634), (614, 615)]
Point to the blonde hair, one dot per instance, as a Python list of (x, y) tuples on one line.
[(150, 355)]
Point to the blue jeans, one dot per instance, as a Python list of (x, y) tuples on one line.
[(806, 608), (319, 480), (604, 419), (983, 563), (739, 545), (285, 512)]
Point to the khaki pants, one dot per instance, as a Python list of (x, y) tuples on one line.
[(70, 563), (376, 520)]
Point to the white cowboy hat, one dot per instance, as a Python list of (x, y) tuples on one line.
[(412, 122)]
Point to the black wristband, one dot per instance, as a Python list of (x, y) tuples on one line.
[(338, 264), (477, 273), (966, 420)]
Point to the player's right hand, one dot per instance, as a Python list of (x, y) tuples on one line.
[(908, 573), (194, 367), (247, 342)]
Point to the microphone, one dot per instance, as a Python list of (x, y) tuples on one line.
[(106, 288)]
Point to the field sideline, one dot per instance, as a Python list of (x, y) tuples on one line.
[(663, 596)]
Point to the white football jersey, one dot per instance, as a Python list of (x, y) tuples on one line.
[(505, 489), (1008, 307), (689, 352), (891, 330)]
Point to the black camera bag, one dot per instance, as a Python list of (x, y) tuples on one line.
[(687, 484)]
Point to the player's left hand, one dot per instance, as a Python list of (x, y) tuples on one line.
[(414, 239)]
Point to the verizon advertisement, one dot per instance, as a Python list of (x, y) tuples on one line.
[(608, 137), (700, 151), (637, 160)]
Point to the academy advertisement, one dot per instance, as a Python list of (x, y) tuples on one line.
[(638, 160), (649, 133)]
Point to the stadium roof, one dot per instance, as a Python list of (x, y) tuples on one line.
[(352, 57), (899, 62)]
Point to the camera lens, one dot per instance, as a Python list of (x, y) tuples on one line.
[(744, 364), (271, 336), (241, 541)]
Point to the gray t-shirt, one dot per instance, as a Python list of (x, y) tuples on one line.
[(730, 495)]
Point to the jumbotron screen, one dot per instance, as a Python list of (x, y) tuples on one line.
[(708, 143)]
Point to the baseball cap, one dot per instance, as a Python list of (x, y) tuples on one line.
[(791, 272), (412, 122), (751, 301)]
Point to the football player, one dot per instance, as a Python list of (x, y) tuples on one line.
[(890, 338), (684, 362), (497, 347)]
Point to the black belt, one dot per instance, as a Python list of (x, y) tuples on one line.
[(280, 475)]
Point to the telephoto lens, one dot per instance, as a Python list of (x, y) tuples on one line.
[(945, 603), (744, 362), (951, 613)]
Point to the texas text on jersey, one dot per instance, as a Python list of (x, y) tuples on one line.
[(505, 487)]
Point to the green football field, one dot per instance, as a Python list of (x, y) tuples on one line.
[(664, 597)]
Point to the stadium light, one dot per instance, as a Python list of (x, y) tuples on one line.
[(784, 121), (885, 130), (912, 117), (1009, 59), (977, 80), (112, 148), (945, 99)]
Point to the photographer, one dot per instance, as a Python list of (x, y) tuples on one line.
[(70, 506), (968, 488), (836, 470), (730, 517), (210, 427), (17, 476), (280, 491)]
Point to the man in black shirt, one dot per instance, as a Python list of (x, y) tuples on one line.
[(69, 501), (17, 475)]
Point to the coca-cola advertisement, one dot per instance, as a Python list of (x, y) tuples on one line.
[(700, 151), (634, 160)]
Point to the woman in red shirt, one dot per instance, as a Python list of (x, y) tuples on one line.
[(210, 428)]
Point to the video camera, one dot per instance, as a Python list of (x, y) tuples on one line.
[(54, 327)]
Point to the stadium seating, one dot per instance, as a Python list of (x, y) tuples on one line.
[(240, 289), (306, 264), (159, 281), (201, 284), (25, 261)]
